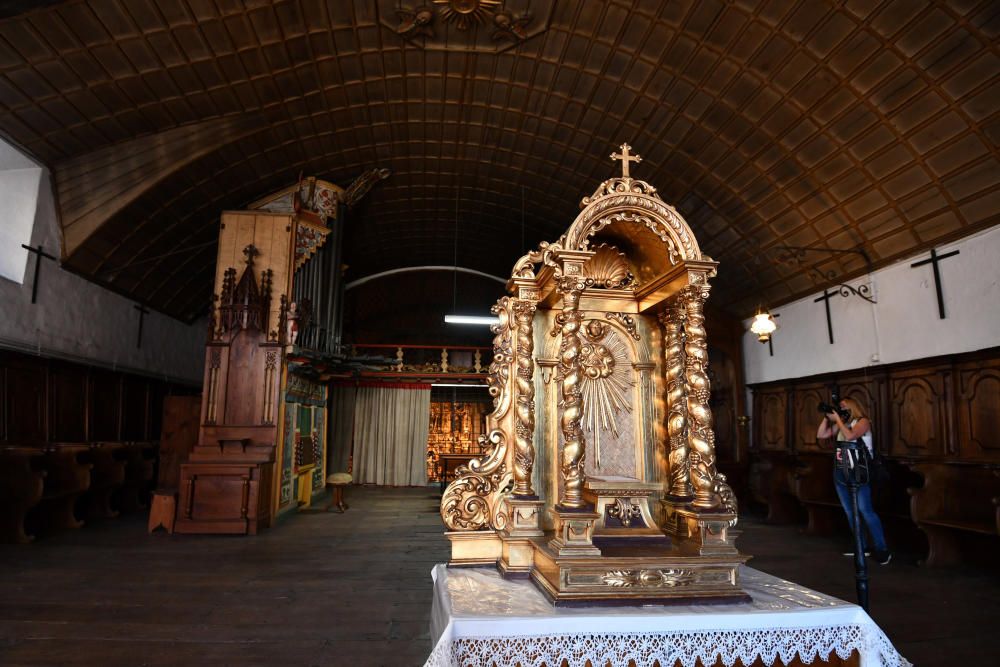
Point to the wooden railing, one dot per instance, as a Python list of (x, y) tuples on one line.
[(423, 360)]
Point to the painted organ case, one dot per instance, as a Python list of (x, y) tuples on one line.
[(261, 444), (599, 481)]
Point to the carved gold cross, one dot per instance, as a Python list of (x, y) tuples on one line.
[(626, 157)]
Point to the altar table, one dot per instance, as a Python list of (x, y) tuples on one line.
[(480, 620)]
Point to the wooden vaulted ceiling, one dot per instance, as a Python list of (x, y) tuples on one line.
[(841, 125)]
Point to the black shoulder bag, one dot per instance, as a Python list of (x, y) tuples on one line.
[(878, 471)]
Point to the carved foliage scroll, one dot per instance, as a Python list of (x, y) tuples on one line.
[(672, 320), (471, 501), (499, 371), (524, 450), (570, 378), (701, 438)]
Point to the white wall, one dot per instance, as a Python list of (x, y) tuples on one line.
[(904, 325), (19, 189), (78, 319)]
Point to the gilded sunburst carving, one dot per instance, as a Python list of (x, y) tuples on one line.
[(464, 13), (606, 383)]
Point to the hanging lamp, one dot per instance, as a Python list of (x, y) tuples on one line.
[(763, 326)]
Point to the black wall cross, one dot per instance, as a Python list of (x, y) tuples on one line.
[(933, 261), (142, 313), (39, 253), (827, 295), (863, 291)]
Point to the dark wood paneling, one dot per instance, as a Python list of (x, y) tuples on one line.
[(67, 404), (917, 416), (105, 405), (48, 401), (26, 403), (158, 392), (723, 403), (135, 408), (725, 350), (941, 409), (181, 420), (245, 381), (3, 402), (806, 416), (978, 411), (772, 419)]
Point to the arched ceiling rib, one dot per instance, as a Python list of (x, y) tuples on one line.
[(841, 125)]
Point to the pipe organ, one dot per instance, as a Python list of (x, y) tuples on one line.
[(278, 291)]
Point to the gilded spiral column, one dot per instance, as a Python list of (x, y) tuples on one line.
[(701, 438), (524, 427), (573, 452), (678, 464)]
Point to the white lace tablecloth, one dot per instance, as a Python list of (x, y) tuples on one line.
[(478, 619)]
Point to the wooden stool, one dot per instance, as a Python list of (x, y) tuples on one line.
[(336, 482), (163, 510)]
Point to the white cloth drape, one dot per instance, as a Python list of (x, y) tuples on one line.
[(478, 619), (390, 436)]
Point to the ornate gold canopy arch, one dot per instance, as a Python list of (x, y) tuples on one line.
[(620, 298)]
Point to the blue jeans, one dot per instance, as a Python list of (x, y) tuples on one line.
[(865, 509)]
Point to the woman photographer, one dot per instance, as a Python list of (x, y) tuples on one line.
[(856, 427)]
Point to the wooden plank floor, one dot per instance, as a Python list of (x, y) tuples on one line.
[(318, 589), (354, 589)]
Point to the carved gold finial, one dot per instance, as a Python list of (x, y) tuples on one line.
[(626, 157)]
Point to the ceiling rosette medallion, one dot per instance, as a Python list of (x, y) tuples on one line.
[(466, 25), (467, 13)]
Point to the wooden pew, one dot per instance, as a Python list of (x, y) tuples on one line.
[(22, 480), (771, 482), (67, 477), (140, 474), (956, 501), (816, 490), (107, 474)]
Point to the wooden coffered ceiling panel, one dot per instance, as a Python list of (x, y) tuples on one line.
[(870, 125)]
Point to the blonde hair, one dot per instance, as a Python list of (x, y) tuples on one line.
[(857, 410)]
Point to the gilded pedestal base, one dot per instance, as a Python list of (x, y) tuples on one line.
[(523, 522), (474, 548), (633, 564), (698, 532), (648, 576), (516, 559), (622, 504), (574, 534)]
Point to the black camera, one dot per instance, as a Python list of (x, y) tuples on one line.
[(827, 408), (834, 405)]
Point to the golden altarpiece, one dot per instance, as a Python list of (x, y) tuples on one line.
[(600, 391)]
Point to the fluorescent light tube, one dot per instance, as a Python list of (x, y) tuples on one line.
[(471, 319)]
